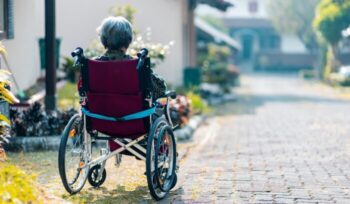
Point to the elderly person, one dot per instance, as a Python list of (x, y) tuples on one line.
[(116, 35)]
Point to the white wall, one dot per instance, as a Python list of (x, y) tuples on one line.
[(23, 50), (292, 44), (76, 24)]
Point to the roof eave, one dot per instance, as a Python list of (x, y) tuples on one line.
[(221, 5)]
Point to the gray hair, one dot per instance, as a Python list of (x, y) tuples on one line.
[(115, 33)]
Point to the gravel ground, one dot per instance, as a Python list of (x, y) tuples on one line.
[(124, 184)]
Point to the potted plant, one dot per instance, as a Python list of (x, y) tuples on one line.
[(69, 69)]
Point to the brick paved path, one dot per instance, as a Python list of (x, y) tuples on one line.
[(284, 141)]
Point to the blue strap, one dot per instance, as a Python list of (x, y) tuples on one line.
[(134, 116)]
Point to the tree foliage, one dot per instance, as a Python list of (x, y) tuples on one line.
[(294, 17), (333, 16), (214, 60)]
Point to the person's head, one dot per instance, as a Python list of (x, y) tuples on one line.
[(115, 33)]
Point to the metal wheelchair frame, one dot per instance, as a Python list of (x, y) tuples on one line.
[(159, 188)]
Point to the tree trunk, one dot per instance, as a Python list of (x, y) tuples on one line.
[(335, 63), (329, 63), (321, 60)]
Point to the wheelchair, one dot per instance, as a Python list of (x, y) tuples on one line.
[(117, 107)]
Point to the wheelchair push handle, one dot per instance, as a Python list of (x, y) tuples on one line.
[(143, 53), (171, 94), (142, 56), (78, 55)]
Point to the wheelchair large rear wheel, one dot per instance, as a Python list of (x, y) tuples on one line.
[(160, 159), (73, 155)]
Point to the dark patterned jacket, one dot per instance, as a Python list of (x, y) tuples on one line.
[(158, 84)]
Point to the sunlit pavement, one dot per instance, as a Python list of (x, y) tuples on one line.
[(283, 141)]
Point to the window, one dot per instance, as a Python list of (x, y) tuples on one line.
[(270, 42), (6, 19), (275, 42), (253, 6)]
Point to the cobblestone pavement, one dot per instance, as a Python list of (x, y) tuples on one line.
[(283, 141)]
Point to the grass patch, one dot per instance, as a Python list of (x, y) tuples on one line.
[(43, 164), (68, 96)]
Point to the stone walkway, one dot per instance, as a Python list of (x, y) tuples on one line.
[(284, 141)]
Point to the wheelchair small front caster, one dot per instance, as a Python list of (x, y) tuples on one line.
[(93, 176)]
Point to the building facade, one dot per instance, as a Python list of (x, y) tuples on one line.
[(22, 24), (76, 23), (249, 24)]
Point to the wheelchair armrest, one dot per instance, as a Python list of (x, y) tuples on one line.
[(171, 94)]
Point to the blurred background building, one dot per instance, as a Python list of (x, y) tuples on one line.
[(22, 25), (262, 46)]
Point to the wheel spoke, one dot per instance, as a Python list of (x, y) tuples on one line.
[(75, 178)]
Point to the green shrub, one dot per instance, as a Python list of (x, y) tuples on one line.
[(182, 90), (337, 79), (308, 74), (214, 60), (198, 104), (70, 70)]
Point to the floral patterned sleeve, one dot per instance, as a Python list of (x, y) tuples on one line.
[(158, 86)]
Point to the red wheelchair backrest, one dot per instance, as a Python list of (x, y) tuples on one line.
[(114, 89), (120, 77)]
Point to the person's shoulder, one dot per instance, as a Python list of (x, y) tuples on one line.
[(106, 58), (128, 57), (102, 58)]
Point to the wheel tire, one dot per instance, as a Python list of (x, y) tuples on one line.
[(174, 181), (155, 192), (166, 130), (62, 162), (93, 172)]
